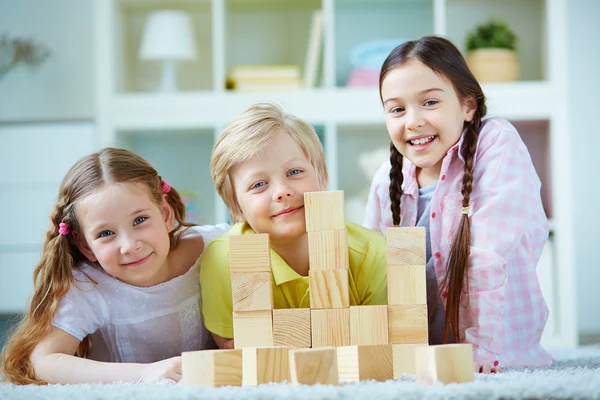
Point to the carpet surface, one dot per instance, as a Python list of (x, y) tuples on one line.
[(575, 374)]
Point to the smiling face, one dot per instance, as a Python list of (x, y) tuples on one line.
[(424, 116), (127, 233), (270, 188)]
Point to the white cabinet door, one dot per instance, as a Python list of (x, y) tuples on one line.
[(33, 160)]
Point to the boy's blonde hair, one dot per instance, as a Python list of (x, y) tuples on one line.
[(248, 134)]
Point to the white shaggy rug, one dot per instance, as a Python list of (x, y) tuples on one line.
[(575, 374)]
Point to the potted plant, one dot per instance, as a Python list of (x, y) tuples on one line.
[(492, 52)]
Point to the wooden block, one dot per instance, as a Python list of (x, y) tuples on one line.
[(330, 327), (291, 327), (312, 366), (252, 291), (406, 246), (324, 211), (404, 359), (252, 329), (368, 325), (329, 288), (360, 363), (265, 364), (212, 368), (328, 249), (407, 284), (249, 253), (448, 363), (408, 324)]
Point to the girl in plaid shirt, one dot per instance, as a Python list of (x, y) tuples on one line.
[(472, 184)]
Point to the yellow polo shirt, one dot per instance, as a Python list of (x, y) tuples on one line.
[(367, 254)]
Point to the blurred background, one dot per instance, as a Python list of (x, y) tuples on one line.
[(163, 78)]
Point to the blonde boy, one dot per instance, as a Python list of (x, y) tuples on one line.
[(262, 164)]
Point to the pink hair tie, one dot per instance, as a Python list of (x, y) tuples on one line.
[(63, 228), (165, 187)]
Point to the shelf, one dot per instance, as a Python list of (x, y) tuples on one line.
[(513, 101), (135, 75), (525, 17), (359, 22), (267, 32), (181, 157)]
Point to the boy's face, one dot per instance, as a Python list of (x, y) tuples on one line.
[(270, 189)]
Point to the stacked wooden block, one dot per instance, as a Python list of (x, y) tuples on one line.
[(251, 289), (349, 343), (407, 295)]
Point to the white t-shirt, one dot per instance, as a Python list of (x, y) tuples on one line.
[(136, 324)]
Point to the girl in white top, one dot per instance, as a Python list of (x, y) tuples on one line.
[(116, 294)]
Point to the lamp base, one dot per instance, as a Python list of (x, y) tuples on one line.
[(168, 80)]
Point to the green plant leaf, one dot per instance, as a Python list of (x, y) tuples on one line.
[(492, 34)]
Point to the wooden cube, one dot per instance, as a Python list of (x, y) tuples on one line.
[(329, 288), (407, 284), (448, 363), (212, 368), (406, 246), (291, 327), (324, 211), (330, 327), (368, 325), (408, 324), (252, 329), (265, 364), (312, 366), (252, 291), (328, 249), (249, 253), (405, 359), (359, 363)]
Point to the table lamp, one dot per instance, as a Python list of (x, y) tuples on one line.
[(169, 38)]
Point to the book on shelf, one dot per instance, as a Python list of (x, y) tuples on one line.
[(256, 78), (314, 50)]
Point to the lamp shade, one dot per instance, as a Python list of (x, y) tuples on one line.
[(168, 35)]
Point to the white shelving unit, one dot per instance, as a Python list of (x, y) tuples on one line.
[(176, 131)]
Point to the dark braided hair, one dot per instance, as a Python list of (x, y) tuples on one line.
[(444, 58)]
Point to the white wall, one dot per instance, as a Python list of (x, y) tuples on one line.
[(584, 89), (62, 87), (46, 124)]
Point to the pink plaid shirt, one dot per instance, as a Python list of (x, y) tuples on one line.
[(507, 312)]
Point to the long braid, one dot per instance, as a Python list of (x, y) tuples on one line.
[(396, 179), (457, 278)]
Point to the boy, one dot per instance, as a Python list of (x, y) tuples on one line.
[(262, 164)]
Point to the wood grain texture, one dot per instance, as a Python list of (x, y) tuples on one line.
[(252, 329), (324, 211), (252, 291), (407, 284), (291, 327), (249, 253), (328, 249), (406, 246), (448, 363), (265, 365), (329, 288), (369, 325), (408, 324), (212, 368), (330, 327), (312, 366), (370, 362)]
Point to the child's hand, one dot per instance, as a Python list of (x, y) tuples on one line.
[(169, 369), (486, 368)]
